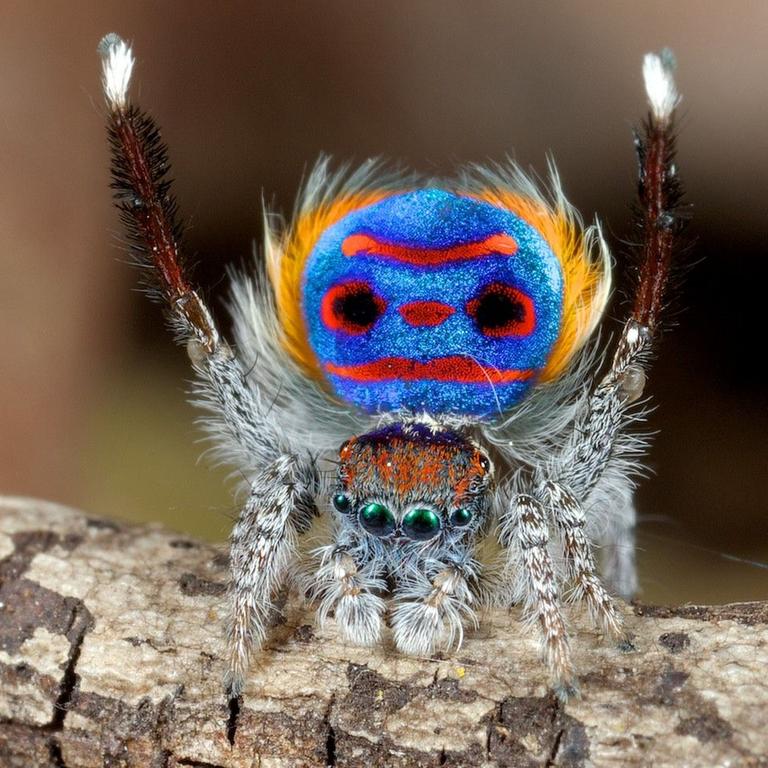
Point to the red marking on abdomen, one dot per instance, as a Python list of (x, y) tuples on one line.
[(454, 368), (332, 310), (519, 309), (365, 245), (430, 313)]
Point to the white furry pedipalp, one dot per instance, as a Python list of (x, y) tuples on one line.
[(658, 74), (116, 68)]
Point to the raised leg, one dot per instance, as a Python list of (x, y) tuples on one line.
[(263, 544), (237, 420), (281, 501), (598, 442), (596, 438)]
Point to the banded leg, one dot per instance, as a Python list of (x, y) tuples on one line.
[(351, 592), (263, 543), (579, 561), (596, 435), (526, 533), (433, 611)]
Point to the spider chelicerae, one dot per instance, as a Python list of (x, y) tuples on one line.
[(442, 334)]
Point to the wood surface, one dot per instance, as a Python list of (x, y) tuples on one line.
[(110, 642)]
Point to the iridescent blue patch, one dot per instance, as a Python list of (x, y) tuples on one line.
[(398, 312)]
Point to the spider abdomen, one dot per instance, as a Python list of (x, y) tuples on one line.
[(432, 300)]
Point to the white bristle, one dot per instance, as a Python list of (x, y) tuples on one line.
[(658, 73), (117, 66)]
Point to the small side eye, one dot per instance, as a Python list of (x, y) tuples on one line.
[(352, 307), (341, 502), (421, 524), (501, 310), (461, 517)]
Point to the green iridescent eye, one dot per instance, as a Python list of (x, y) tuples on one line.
[(462, 516), (421, 524), (341, 502), (377, 519)]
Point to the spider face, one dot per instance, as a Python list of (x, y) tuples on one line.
[(406, 483), (432, 301)]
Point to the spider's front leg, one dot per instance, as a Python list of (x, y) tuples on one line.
[(525, 532), (263, 545)]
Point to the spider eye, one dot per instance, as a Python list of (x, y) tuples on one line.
[(501, 310), (351, 307), (341, 502), (461, 517), (377, 519), (421, 524)]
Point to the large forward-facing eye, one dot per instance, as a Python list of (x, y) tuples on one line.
[(352, 307), (421, 524), (502, 310), (377, 519)]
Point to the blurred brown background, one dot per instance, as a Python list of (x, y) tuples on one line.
[(92, 409)]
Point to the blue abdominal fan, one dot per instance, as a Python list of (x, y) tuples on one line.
[(432, 301)]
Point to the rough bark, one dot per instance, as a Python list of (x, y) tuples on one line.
[(110, 641)]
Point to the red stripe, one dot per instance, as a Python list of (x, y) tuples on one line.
[(429, 313), (361, 245), (454, 368)]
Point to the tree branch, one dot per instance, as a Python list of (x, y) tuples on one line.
[(110, 640)]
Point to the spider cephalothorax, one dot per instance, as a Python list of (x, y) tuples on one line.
[(411, 499), (411, 482), (432, 321)]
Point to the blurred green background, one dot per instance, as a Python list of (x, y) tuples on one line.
[(249, 94)]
